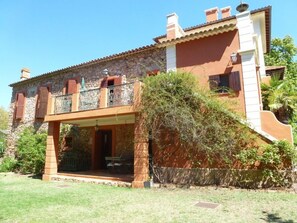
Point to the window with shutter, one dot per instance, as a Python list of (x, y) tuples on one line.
[(20, 106), (214, 82), (234, 80), (71, 86), (223, 82), (42, 101), (114, 90), (118, 81)]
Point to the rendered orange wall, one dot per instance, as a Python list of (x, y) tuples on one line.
[(211, 56), (272, 126), (173, 155)]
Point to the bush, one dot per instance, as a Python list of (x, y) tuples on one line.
[(2, 146), (193, 119), (271, 159), (31, 151), (8, 164)]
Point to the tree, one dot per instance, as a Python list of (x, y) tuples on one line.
[(281, 95), (282, 53), (3, 118)]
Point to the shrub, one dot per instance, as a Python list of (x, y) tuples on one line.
[(31, 151), (8, 164), (193, 119), (2, 146), (271, 159)]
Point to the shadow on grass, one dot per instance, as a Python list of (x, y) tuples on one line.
[(274, 218), (35, 177)]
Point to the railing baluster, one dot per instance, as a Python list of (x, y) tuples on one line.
[(117, 95)]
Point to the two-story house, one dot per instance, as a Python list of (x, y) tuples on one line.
[(99, 96)]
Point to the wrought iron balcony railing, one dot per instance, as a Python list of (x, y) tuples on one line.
[(63, 103), (111, 96), (89, 99), (118, 95)]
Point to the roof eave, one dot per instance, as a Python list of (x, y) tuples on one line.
[(266, 9), (88, 63)]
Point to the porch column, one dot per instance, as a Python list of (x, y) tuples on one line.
[(141, 155), (51, 158)]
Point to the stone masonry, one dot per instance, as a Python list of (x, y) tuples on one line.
[(133, 66)]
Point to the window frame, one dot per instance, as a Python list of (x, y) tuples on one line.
[(234, 82)]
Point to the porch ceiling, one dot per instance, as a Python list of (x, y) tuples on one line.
[(103, 121)]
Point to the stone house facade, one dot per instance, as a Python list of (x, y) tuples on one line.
[(100, 94)]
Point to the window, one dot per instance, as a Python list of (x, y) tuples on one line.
[(42, 101), (114, 91), (224, 82), (19, 106)]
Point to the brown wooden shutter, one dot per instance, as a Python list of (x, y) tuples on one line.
[(20, 105), (41, 109), (103, 83), (234, 81), (118, 80), (214, 82), (72, 87)]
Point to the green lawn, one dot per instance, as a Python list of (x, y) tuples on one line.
[(23, 199)]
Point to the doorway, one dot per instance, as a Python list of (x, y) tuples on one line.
[(103, 148)]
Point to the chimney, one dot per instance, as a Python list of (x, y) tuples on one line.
[(212, 14), (173, 28), (25, 74), (226, 12)]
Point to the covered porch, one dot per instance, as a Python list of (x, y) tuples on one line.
[(106, 148)]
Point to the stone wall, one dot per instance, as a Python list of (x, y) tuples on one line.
[(220, 177), (125, 141), (132, 66)]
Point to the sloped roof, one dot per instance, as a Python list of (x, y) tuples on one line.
[(95, 61), (268, 68), (200, 34), (214, 27), (275, 70), (266, 9)]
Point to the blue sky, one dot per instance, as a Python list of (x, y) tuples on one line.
[(52, 34)]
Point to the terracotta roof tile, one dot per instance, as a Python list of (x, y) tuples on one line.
[(99, 60), (267, 10), (148, 47)]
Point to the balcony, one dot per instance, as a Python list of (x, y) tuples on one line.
[(111, 99)]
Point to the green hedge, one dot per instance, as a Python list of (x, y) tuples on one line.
[(31, 151)]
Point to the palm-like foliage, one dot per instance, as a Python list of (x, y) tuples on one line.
[(281, 95), (268, 89), (283, 101)]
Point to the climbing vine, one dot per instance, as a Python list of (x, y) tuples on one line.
[(180, 114), (196, 121)]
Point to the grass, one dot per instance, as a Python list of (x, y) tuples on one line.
[(24, 199)]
